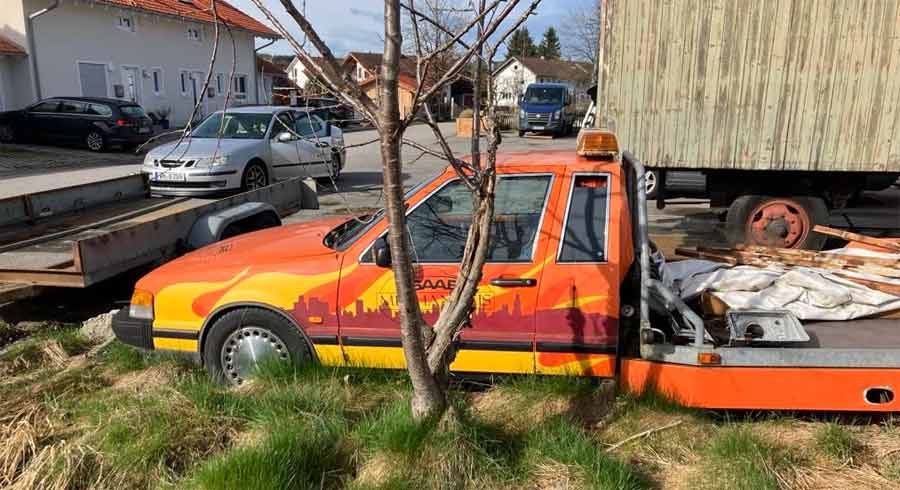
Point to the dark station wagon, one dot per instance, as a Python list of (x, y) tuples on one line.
[(95, 122)]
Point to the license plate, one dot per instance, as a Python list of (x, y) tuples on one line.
[(170, 177), (143, 130), (538, 128)]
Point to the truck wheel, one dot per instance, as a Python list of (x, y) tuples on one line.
[(784, 222), (254, 177), (241, 340)]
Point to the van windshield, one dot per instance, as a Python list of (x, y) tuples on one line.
[(544, 95)]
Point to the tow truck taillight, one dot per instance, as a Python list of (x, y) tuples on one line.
[(597, 143), (141, 305)]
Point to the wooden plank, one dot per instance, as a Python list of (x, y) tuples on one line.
[(856, 237)]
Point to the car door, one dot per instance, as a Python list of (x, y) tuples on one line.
[(286, 156), (578, 307), (500, 334), (42, 119), (315, 144), (72, 121)]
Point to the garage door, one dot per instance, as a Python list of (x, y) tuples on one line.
[(93, 79)]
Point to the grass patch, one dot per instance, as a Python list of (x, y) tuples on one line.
[(836, 440), (739, 459), (295, 456), (563, 441), (122, 358)]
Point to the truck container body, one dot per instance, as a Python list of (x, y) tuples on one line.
[(798, 85), (789, 110)]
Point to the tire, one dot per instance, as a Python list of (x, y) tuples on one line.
[(521, 134), (270, 335), (651, 181), (95, 141), (784, 222), (254, 177)]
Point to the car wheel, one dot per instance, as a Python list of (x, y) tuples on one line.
[(254, 177), (7, 133), (242, 340), (521, 134), (783, 222), (95, 141), (650, 184)]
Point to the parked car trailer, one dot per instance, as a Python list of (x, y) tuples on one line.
[(787, 108), (81, 235)]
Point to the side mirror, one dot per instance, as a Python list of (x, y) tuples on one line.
[(381, 253), (285, 137)]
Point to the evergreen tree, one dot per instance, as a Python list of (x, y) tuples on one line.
[(549, 47), (521, 44)]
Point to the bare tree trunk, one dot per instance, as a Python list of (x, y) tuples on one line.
[(428, 397)]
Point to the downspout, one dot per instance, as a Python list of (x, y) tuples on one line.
[(32, 50), (255, 75)]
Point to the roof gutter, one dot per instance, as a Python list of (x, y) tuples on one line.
[(255, 73), (32, 50)]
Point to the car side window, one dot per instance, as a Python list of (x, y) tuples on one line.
[(310, 125), (71, 107), (584, 233), (98, 110), (439, 226), (48, 106), (284, 121)]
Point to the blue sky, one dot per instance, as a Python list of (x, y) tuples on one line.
[(357, 25)]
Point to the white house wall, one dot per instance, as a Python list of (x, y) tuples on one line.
[(511, 82), (83, 31)]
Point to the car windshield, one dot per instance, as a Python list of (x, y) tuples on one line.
[(544, 95), (347, 232), (132, 110), (236, 125)]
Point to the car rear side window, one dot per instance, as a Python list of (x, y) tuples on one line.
[(98, 110), (132, 110), (584, 230)]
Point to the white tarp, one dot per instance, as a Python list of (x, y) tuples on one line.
[(808, 293)]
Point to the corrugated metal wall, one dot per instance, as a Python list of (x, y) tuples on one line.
[(765, 84)]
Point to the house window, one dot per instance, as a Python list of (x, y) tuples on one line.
[(193, 33), (156, 75), (185, 79), (125, 22), (220, 84), (240, 85)]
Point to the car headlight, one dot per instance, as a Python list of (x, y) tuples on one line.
[(557, 114), (150, 160), (521, 113), (212, 161)]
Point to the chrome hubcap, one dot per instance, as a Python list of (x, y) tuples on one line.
[(246, 348), (256, 177), (94, 141), (649, 182)]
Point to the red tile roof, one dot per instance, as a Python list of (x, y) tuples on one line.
[(9, 47), (199, 10)]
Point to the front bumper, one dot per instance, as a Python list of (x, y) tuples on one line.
[(554, 125), (132, 331), (194, 182)]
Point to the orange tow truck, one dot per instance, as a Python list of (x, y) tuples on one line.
[(568, 289)]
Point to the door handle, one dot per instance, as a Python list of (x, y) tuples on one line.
[(509, 282), (322, 144)]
